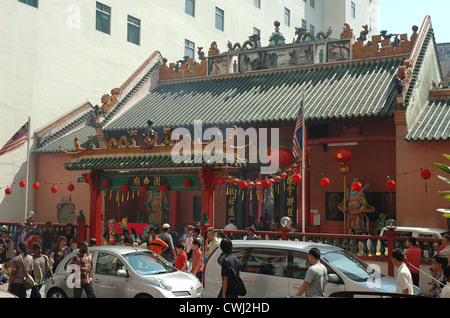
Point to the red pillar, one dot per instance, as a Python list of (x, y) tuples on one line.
[(391, 247), (174, 208), (206, 180), (95, 219)]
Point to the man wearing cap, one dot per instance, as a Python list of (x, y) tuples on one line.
[(168, 254), (251, 234)]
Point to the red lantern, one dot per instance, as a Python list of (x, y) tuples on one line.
[(251, 185), (186, 183), (164, 188), (86, 179), (342, 156), (265, 183), (8, 191), (285, 156), (228, 178), (325, 182), (235, 181), (297, 178), (124, 188), (277, 178), (390, 184), (71, 187), (220, 181), (143, 189), (54, 189), (272, 181), (284, 175), (243, 185), (356, 186), (105, 183), (36, 185), (22, 184), (425, 174), (258, 184)]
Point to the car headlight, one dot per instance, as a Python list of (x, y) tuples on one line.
[(162, 284)]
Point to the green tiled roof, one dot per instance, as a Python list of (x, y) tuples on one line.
[(138, 162), (70, 126), (66, 142), (433, 122), (138, 86), (343, 91), (418, 66)]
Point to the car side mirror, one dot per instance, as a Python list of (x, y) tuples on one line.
[(333, 278), (122, 273)]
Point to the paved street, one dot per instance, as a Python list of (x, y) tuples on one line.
[(5, 287)]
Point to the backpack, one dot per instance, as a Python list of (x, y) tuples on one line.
[(235, 282)]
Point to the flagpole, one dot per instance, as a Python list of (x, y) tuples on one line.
[(28, 167), (303, 165)]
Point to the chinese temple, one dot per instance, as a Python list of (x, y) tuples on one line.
[(376, 115)]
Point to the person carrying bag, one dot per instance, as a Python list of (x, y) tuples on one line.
[(29, 281), (232, 284), (20, 279)]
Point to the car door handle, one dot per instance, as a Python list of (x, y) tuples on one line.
[(296, 286)]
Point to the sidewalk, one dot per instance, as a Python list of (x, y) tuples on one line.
[(5, 287)]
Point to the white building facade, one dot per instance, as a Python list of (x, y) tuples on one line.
[(54, 51)]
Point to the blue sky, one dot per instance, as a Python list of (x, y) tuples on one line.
[(398, 16)]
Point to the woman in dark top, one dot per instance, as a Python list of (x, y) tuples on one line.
[(227, 248), (60, 251)]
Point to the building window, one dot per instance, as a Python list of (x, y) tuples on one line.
[(353, 10), (134, 30), (304, 24), (257, 3), (312, 3), (103, 18), (312, 29), (33, 3), (189, 49), (190, 7), (256, 31), (219, 19), (287, 17)]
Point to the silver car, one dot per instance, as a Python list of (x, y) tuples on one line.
[(127, 272), (273, 269)]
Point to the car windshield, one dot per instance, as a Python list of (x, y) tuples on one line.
[(349, 265), (145, 263)]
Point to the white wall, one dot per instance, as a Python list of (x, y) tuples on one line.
[(53, 59)]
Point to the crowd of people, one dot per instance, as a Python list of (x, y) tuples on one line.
[(38, 253), (35, 253)]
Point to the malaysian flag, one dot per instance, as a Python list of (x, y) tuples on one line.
[(17, 141), (298, 135)]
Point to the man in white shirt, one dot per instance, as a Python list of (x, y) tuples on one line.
[(404, 278)]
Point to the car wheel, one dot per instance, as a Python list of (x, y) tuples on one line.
[(56, 293)]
